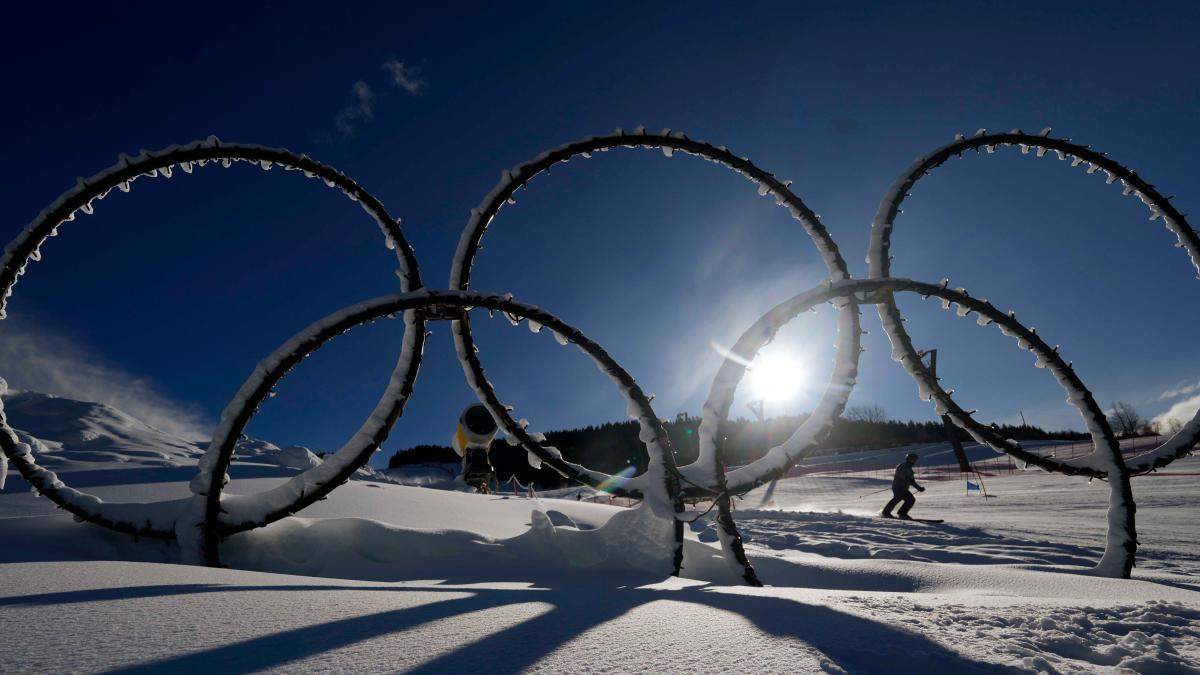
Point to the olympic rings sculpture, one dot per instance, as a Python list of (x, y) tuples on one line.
[(201, 521)]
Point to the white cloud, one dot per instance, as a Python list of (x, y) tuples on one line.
[(1180, 413), (40, 359), (405, 77), (1183, 390), (360, 109)]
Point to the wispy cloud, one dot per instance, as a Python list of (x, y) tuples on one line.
[(363, 97), (1182, 390), (360, 109), (40, 359), (405, 77)]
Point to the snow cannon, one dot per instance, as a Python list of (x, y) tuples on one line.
[(476, 429), (472, 440)]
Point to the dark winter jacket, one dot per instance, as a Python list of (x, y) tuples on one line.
[(904, 478)]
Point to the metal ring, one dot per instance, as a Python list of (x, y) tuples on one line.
[(133, 518), (903, 350), (206, 517), (705, 472), (1122, 539), (218, 517)]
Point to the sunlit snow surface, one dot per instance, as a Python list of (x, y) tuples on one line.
[(388, 578)]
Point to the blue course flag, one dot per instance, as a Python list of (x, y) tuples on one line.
[(971, 486)]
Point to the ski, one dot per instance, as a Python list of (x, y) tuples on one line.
[(916, 520)]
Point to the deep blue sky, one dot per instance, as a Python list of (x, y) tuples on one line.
[(187, 283)]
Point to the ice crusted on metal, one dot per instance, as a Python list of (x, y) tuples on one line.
[(667, 141), (12, 437), (814, 429), (1106, 460), (513, 429), (1176, 446), (27, 246), (670, 143), (1131, 182), (535, 462), (1121, 542), (239, 512), (82, 197), (199, 521), (656, 485), (1045, 357), (889, 208)]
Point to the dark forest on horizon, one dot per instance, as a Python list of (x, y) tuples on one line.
[(613, 446)]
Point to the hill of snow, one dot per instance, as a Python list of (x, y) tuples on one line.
[(71, 437), (68, 434)]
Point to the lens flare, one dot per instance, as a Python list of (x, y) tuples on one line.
[(776, 378), (618, 479)]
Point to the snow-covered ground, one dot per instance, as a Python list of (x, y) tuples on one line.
[(386, 578)]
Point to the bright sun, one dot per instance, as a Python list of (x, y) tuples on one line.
[(776, 378)]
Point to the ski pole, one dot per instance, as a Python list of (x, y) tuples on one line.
[(874, 493)]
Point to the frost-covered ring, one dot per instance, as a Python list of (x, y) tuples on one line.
[(213, 515), (135, 518), (669, 143), (879, 259), (1122, 540)]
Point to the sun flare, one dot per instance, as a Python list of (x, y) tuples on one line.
[(776, 378)]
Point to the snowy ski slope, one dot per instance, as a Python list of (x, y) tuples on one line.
[(390, 578)]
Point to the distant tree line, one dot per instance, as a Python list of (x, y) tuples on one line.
[(1127, 422), (614, 446)]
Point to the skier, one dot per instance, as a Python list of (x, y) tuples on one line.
[(472, 440), (901, 481)]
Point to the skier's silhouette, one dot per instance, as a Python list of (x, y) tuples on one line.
[(901, 481)]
